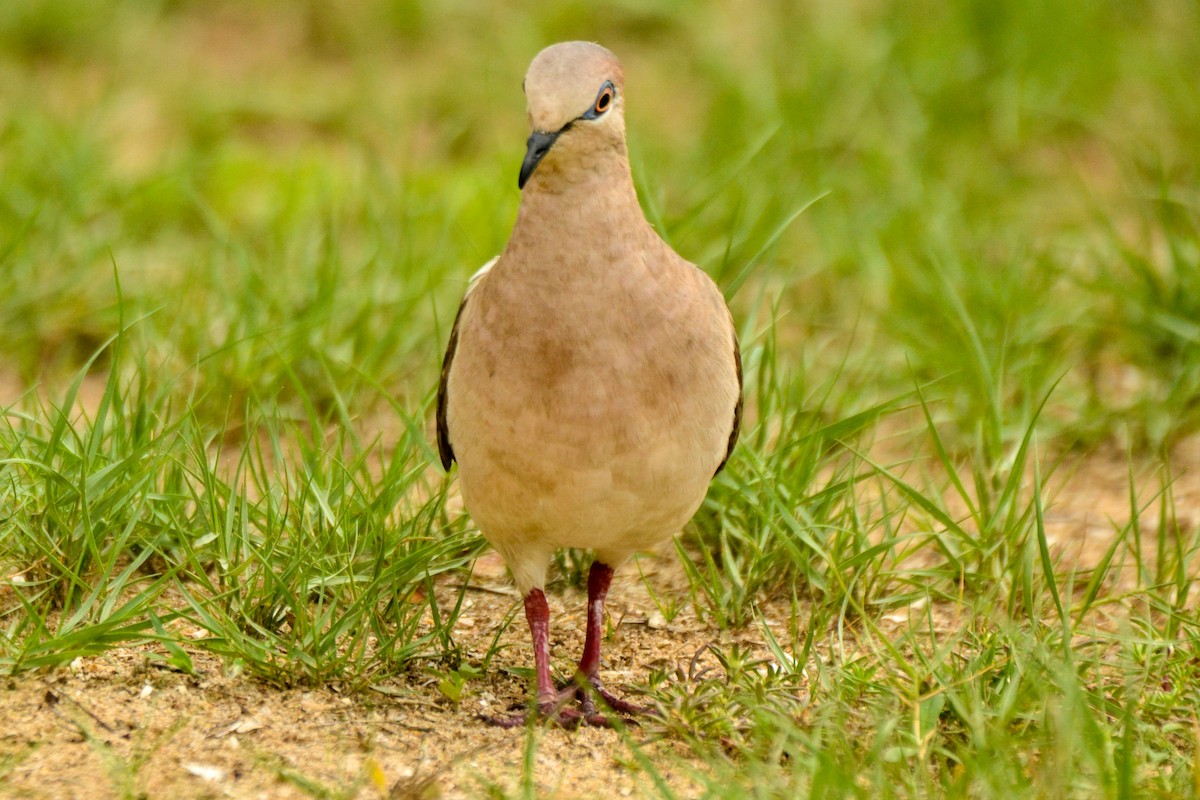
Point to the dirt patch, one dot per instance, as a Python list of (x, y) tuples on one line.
[(121, 725)]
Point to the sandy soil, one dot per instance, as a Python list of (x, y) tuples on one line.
[(119, 725)]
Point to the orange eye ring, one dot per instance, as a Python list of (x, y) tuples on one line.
[(603, 100)]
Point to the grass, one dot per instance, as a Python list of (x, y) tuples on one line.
[(963, 247)]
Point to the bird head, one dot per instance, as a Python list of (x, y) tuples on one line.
[(575, 95)]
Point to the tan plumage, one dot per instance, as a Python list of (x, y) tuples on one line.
[(592, 385)]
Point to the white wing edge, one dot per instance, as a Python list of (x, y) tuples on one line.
[(478, 276)]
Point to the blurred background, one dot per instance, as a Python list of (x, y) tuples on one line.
[(961, 242), (989, 198)]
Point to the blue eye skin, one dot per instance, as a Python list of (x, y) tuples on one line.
[(604, 101)]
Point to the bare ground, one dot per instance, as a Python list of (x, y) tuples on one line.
[(120, 725)]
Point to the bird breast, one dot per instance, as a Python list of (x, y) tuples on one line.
[(591, 410)]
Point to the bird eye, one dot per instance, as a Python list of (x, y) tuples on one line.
[(604, 99)]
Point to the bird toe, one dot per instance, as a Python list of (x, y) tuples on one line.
[(597, 708)]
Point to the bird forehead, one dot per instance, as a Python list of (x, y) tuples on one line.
[(563, 79)]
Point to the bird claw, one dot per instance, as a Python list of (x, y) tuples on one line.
[(586, 691), (560, 716), (559, 712)]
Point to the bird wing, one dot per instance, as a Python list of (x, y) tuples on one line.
[(443, 430), (737, 409)]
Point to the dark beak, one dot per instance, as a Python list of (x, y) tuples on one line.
[(536, 148)]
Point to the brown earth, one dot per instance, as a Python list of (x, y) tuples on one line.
[(120, 725)]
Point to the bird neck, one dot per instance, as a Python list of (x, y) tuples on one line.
[(580, 206)]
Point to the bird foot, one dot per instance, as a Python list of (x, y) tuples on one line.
[(587, 690), (559, 716), (558, 711)]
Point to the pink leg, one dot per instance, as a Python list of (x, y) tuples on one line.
[(552, 704), (588, 677), (549, 704), (599, 579), (537, 614)]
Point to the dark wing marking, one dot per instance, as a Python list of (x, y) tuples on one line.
[(737, 410), (443, 432)]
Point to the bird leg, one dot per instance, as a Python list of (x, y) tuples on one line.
[(537, 613), (553, 704), (587, 679), (599, 579), (550, 703)]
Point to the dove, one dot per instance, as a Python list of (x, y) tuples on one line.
[(592, 384)]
